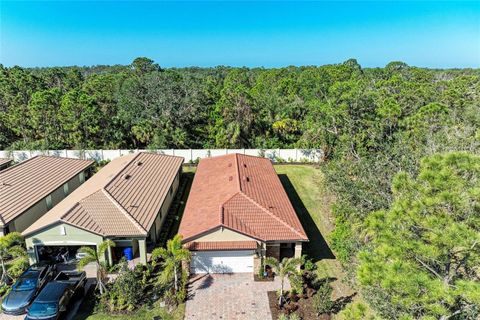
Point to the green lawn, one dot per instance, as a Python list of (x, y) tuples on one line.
[(305, 185)]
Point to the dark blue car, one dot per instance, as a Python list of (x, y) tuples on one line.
[(56, 296), (26, 288)]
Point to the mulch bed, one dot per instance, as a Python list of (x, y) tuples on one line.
[(302, 307), (264, 279)]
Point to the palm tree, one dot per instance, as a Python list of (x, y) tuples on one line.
[(11, 246), (286, 268), (93, 256), (172, 257)]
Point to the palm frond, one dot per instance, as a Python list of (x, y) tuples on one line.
[(17, 251), (159, 253), (85, 261), (272, 262), (89, 251), (102, 247), (9, 240)]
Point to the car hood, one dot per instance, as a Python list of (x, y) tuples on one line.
[(17, 299)]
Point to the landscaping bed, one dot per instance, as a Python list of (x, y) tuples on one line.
[(302, 307), (263, 279)]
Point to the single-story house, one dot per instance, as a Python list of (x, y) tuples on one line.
[(126, 201), (237, 213), (32, 187), (4, 163)]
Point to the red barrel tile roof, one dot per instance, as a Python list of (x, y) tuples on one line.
[(242, 193), (220, 245)]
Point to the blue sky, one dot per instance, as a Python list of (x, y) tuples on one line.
[(269, 34)]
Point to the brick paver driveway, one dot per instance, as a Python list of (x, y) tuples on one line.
[(229, 297)]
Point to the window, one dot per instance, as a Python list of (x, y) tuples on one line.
[(65, 189), (81, 177), (49, 202)]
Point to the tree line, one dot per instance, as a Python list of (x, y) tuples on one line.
[(401, 150), (145, 106)]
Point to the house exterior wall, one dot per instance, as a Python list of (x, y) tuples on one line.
[(223, 234), (273, 250), (4, 166), (156, 228), (60, 234), (26, 219)]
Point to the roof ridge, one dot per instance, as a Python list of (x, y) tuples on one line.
[(273, 215), (123, 169), (123, 210), (237, 169)]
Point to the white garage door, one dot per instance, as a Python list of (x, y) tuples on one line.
[(222, 261)]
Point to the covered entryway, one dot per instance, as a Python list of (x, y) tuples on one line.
[(234, 261)]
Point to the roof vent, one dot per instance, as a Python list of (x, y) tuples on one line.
[(139, 163), (244, 165), (126, 176), (230, 164), (230, 178), (246, 179)]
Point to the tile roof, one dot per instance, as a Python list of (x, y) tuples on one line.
[(122, 199), (25, 184), (242, 193), (4, 161), (220, 245)]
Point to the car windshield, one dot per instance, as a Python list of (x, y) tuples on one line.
[(24, 284), (43, 309)]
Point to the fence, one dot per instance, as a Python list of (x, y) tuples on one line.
[(190, 155)]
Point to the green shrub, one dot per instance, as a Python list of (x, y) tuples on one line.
[(125, 293), (322, 301), (309, 265)]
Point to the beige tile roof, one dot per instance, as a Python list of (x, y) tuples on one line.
[(242, 193), (4, 161), (220, 245), (25, 184), (122, 199)]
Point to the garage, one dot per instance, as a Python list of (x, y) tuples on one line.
[(222, 261), (59, 253)]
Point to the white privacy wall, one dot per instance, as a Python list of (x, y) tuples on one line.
[(190, 155)]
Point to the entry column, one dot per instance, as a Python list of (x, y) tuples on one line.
[(142, 247)]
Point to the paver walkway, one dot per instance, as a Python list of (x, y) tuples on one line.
[(229, 297)]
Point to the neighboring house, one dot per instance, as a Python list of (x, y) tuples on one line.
[(236, 213), (32, 187), (4, 163), (126, 201)]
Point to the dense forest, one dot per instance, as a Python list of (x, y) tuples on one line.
[(401, 146)]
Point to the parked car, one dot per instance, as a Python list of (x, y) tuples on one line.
[(24, 290), (54, 299)]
